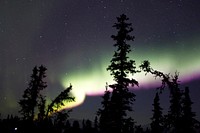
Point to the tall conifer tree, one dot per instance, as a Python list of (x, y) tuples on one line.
[(188, 119), (175, 110), (104, 114), (180, 104), (31, 96), (157, 119), (173, 117), (121, 68)]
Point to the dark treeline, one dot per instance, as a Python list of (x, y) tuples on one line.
[(114, 116), (16, 125)]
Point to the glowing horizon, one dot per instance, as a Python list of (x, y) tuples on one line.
[(80, 91), (91, 80)]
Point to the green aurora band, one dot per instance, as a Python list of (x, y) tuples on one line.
[(92, 81)]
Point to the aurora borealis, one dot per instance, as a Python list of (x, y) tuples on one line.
[(72, 39)]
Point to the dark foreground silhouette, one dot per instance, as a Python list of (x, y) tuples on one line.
[(113, 117)]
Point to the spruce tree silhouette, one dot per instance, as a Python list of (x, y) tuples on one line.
[(58, 102), (31, 99), (174, 120), (121, 68), (53, 111), (175, 110), (188, 120), (104, 114), (41, 108), (31, 96), (36, 116), (157, 119)]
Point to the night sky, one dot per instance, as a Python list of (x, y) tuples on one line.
[(72, 39)]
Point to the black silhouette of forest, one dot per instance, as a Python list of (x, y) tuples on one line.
[(36, 115)]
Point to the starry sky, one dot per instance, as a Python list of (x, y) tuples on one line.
[(72, 39)]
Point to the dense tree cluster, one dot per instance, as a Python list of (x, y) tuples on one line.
[(180, 118), (37, 115), (15, 125)]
